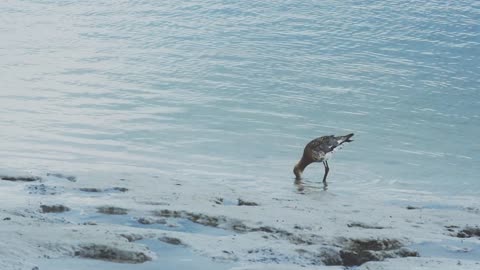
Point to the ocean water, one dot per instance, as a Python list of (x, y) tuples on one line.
[(232, 90)]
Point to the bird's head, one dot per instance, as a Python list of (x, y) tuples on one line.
[(298, 172)]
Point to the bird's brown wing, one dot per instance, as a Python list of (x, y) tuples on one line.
[(318, 148), (323, 144)]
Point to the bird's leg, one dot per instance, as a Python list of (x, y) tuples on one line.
[(325, 163)]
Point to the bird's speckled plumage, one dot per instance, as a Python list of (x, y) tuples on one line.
[(319, 150), (320, 147)]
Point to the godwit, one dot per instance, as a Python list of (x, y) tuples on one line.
[(319, 150)]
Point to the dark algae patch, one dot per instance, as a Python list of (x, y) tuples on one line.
[(202, 219), (246, 203), (171, 240), (70, 178), (112, 210), (150, 220), (20, 178), (112, 254), (98, 190), (364, 226), (90, 189), (57, 208), (359, 251), (468, 232), (120, 189)]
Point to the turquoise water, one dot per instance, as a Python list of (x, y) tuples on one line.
[(233, 90)]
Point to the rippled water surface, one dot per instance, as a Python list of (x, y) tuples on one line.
[(233, 90)]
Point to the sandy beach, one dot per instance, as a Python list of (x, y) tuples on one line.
[(55, 220)]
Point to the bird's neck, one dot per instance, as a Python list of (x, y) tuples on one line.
[(299, 167)]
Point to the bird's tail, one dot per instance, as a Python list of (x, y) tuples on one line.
[(346, 138)]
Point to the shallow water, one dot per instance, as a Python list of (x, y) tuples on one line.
[(171, 224), (169, 258), (211, 91), (460, 249)]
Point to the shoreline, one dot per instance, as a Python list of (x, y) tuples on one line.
[(58, 218)]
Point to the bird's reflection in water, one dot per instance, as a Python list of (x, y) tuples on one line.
[(304, 187)]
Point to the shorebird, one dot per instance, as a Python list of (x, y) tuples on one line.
[(319, 150)]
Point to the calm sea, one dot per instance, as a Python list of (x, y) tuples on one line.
[(231, 91)]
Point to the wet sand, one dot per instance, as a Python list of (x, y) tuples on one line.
[(56, 220)]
